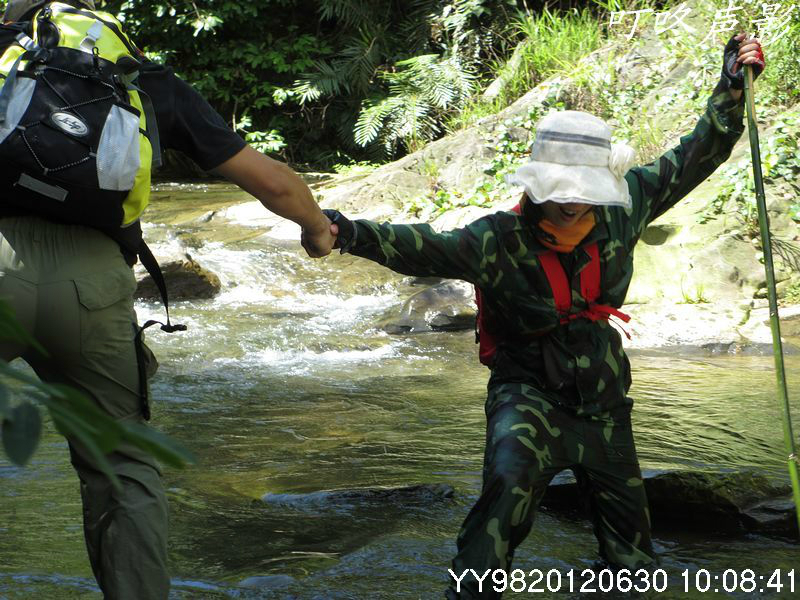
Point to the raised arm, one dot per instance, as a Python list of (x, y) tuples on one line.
[(658, 186)]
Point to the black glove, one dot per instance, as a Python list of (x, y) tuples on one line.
[(346, 237), (733, 72)]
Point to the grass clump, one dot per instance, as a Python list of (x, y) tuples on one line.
[(551, 42)]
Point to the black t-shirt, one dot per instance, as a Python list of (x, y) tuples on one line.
[(186, 121)]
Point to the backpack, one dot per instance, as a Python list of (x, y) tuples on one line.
[(487, 334), (78, 138)]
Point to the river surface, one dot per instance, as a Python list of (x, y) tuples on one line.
[(284, 390)]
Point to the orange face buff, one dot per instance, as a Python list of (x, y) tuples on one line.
[(565, 239)]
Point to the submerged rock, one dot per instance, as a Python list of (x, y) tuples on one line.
[(444, 306), (185, 278), (425, 492), (267, 582), (773, 516), (713, 502)]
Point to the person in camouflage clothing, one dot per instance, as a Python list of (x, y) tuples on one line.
[(557, 395)]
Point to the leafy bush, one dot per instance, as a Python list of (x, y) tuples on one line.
[(544, 44), (780, 162), (421, 91)]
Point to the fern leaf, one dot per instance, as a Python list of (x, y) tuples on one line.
[(371, 119)]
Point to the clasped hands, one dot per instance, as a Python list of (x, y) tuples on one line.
[(329, 233)]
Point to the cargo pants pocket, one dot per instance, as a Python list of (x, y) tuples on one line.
[(108, 348)]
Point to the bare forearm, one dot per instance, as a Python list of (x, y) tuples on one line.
[(276, 186)]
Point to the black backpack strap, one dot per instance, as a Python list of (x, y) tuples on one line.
[(150, 117), (144, 398), (151, 264), (32, 52), (132, 245)]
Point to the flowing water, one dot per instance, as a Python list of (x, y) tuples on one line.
[(283, 389)]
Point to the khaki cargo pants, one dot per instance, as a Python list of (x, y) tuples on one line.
[(72, 290)]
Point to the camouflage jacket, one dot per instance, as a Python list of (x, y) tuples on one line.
[(581, 364)]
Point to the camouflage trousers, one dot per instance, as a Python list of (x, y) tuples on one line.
[(529, 439)]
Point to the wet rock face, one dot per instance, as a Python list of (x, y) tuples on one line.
[(714, 502), (185, 279), (444, 306)]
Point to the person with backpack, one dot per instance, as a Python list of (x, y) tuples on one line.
[(83, 117), (551, 275)]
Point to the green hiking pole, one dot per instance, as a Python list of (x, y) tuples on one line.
[(775, 326)]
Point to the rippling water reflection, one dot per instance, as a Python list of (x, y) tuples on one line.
[(282, 388)]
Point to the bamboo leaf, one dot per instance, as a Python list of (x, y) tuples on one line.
[(5, 407), (76, 430), (21, 431), (157, 444), (12, 331)]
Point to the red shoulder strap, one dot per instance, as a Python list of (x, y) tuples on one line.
[(562, 294), (590, 276)]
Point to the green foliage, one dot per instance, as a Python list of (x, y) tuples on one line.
[(780, 163), (269, 142), (792, 294), (421, 91), (696, 296), (510, 147), (781, 80), (74, 415), (355, 168), (400, 70), (242, 56), (21, 428), (546, 44), (332, 81), (552, 42)]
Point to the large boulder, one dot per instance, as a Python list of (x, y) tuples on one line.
[(444, 306), (185, 278), (714, 502)]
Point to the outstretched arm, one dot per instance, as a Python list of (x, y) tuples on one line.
[(658, 186), (283, 192), (418, 249)]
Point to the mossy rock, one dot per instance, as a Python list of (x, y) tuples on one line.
[(185, 279), (736, 502)]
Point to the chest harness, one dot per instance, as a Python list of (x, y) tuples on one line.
[(488, 337)]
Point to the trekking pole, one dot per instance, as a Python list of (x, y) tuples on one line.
[(775, 326)]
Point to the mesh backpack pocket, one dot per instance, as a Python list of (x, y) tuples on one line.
[(20, 99), (118, 150)]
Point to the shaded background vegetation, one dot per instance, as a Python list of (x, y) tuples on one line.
[(334, 81), (327, 83)]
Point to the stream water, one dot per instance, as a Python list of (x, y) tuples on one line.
[(283, 389)]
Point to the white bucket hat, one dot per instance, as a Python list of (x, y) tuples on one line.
[(573, 160)]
